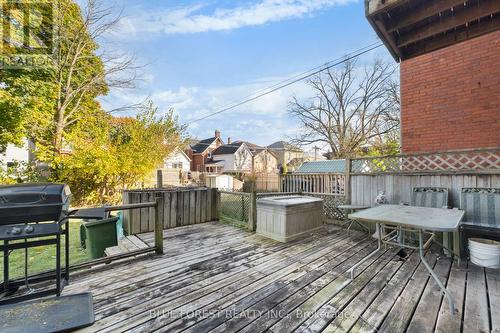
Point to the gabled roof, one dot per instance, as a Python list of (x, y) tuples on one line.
[(250, 145), (227, 149), (332, 166), (283, 145), (295, 162), (202, 145), (254, 149), (178, 150)]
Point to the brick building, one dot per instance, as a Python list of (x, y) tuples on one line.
[(450, 70), (201, 152)]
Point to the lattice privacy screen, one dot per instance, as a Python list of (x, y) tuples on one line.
[(446, 161)]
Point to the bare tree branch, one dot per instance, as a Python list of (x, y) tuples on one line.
[(351, 107)]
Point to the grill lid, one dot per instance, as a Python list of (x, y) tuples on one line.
[(24, 203)]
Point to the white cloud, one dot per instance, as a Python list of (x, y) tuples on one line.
[(262, 121), (190, 19)]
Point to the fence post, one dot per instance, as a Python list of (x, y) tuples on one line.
[(159, 178), (347, 181), (252, 214), (217, 204), (159, 225), (126, 214)]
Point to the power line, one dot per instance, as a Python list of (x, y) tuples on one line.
[(294, 79), (296, 76)]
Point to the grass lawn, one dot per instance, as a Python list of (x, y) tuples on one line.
[(41, 259)]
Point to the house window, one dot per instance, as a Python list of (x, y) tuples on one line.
[(177, 165), (209, 155)]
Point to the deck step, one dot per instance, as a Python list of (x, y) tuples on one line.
[(125, 245)]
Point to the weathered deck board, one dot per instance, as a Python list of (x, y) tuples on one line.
[(231, 283), (369, 294), (493, 280), (476, 315), (266, 285), (125, 245), (216, 278), (425, 315), (401, 313), (448, 322), (287, 299)]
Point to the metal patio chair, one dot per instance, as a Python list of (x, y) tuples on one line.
[(435, 197), (482, 215)]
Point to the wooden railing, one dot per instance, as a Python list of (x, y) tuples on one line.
[(332, 183), (158, 245), (156, 205)]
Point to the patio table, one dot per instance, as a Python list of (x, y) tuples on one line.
[(412, 219)]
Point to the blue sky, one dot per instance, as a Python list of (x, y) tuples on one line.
[(201, 55)]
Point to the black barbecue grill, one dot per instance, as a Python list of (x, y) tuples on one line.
[(29, 211), (28, 203)]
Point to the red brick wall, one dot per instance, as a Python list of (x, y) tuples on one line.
[(451, 97), (198, 163)]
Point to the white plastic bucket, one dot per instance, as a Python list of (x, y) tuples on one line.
[(484, 252)]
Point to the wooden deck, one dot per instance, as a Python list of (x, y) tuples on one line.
[(218, 278), (127, 244)]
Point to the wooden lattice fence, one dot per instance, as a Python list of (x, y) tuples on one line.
[(397, 175), (330, 204), (480, 160)]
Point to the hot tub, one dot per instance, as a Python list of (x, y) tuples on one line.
[(287, 218)]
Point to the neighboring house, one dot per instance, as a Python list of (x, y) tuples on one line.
[(178, 160), (287, 154), (449, 65), (201, 152), (294, 164), (233, 158), (15, 154), (263, 159)]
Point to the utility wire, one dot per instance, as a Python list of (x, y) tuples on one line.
[(295, 76), (285, 83)]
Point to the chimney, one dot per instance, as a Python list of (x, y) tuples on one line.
[(228, 141), (217, 133)]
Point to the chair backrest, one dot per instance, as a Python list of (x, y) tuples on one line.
[(481, 206), (435, 197)]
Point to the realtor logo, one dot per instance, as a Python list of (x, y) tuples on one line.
[(27, 31)]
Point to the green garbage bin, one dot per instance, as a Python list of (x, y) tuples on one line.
[(97, 235)]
